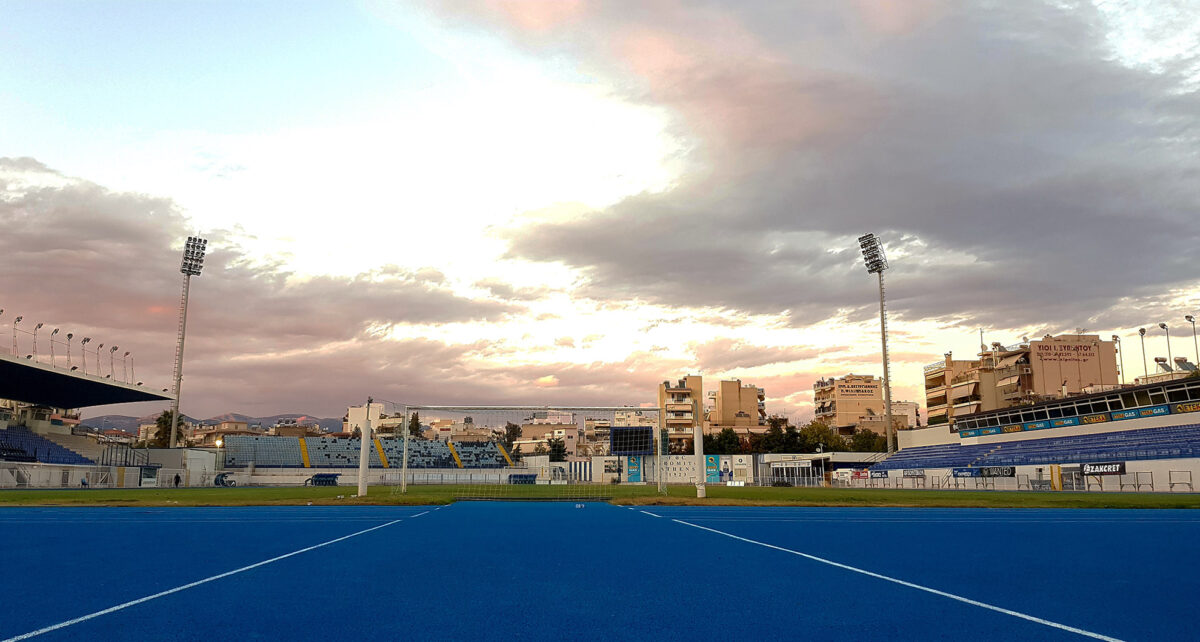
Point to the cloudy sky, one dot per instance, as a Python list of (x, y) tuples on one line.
[(569, 202)]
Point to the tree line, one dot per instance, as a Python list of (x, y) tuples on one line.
[(782, 437)]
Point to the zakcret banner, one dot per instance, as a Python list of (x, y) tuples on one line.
[(965, 472), (997, 471), (712, 468), (633, 468), (1105, 468)]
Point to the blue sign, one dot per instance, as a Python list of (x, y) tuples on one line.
[(712, 469), (633, 466), (965, 472), (1037, 425), (1154, 411), (879, 474), (969, 433), (1067, 421), (1124, 414), (990, 431)]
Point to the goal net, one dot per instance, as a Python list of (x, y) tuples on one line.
[(563, 453)]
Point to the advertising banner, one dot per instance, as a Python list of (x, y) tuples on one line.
[(712, 468), (859, 474), (1124, 414), (1098, 418), (1106, 468), (914, 472), (633, 468), (1193, 406), (1012, 428), (965, 472), (1154, 411), (879, 474), (974, 432), (989, 431), (726, 467), (1068, 421), (1037, 425), (997, 471)]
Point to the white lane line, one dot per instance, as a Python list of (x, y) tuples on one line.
[(113, 609), (651, 514), (959, 598), (422, 513)]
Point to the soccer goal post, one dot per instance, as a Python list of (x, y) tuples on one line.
[(527, 452)]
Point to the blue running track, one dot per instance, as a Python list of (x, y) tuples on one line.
[(501, 571)]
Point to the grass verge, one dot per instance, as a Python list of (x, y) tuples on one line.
[(623, 495)]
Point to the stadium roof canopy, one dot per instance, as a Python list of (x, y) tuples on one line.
[(27, 381)]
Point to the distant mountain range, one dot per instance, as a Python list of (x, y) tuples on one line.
[(130, 424)]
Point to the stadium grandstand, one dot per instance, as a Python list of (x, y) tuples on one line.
[(1147, 436), (39, 415)]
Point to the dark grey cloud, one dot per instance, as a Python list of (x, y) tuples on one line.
[(724, 355), (1020, 173), (99, 263)]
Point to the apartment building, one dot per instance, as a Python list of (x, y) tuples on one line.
[(682, 406), (738, 406), (855, 402), (1027, 372)]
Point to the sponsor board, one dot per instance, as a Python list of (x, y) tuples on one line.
[(1068, 421), (712, 471), (1037, 425), (1105, 468), (1012, 428), (974, 432), (796, 463), (1186, 407), (1154, 411), (989, 431), (1119, 415), (1098, 418), (997, 471), (879, 474), (965, 472), (914, 472), (859, 474), (633, 468)]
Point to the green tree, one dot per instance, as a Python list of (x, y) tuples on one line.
[(414, 425), (816, 435), (557, 449), (162, 431), (725, 442), (865, 441), (512, 432), (540, 449)]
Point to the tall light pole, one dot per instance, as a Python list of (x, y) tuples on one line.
[(876, 262), (112, 361), (125, 367), (1121, 355), (1145, 368), (52, 335), (83, 351), (15, 322), (39, 327), (1170, 357), (70, 365), (1189, 318), (192, 264)]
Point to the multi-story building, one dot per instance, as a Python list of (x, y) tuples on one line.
[(681, 405), (855, 402), (1027, 372), (737, 406)]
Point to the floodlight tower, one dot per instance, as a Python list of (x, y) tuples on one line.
[(876, 262), (193, 262)]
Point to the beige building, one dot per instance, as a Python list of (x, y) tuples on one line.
[(855, 402), (738, 406), (535, 434), (1023, 373), (682, 405)]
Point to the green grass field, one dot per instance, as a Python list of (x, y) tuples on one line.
[(627, 495)]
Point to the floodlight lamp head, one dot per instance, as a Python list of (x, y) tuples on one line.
[(1163, 326), (17, 320), (86, 340), (193, 256), (1187, 317), (1142, 331), (70, 335), (55, 332), (873, 254)]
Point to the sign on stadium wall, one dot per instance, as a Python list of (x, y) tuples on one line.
[(965, 472), (914, 472), (1186, 407), (1106, 468), (997, 471), (879, 474), (859, 474), (1098, 418)]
